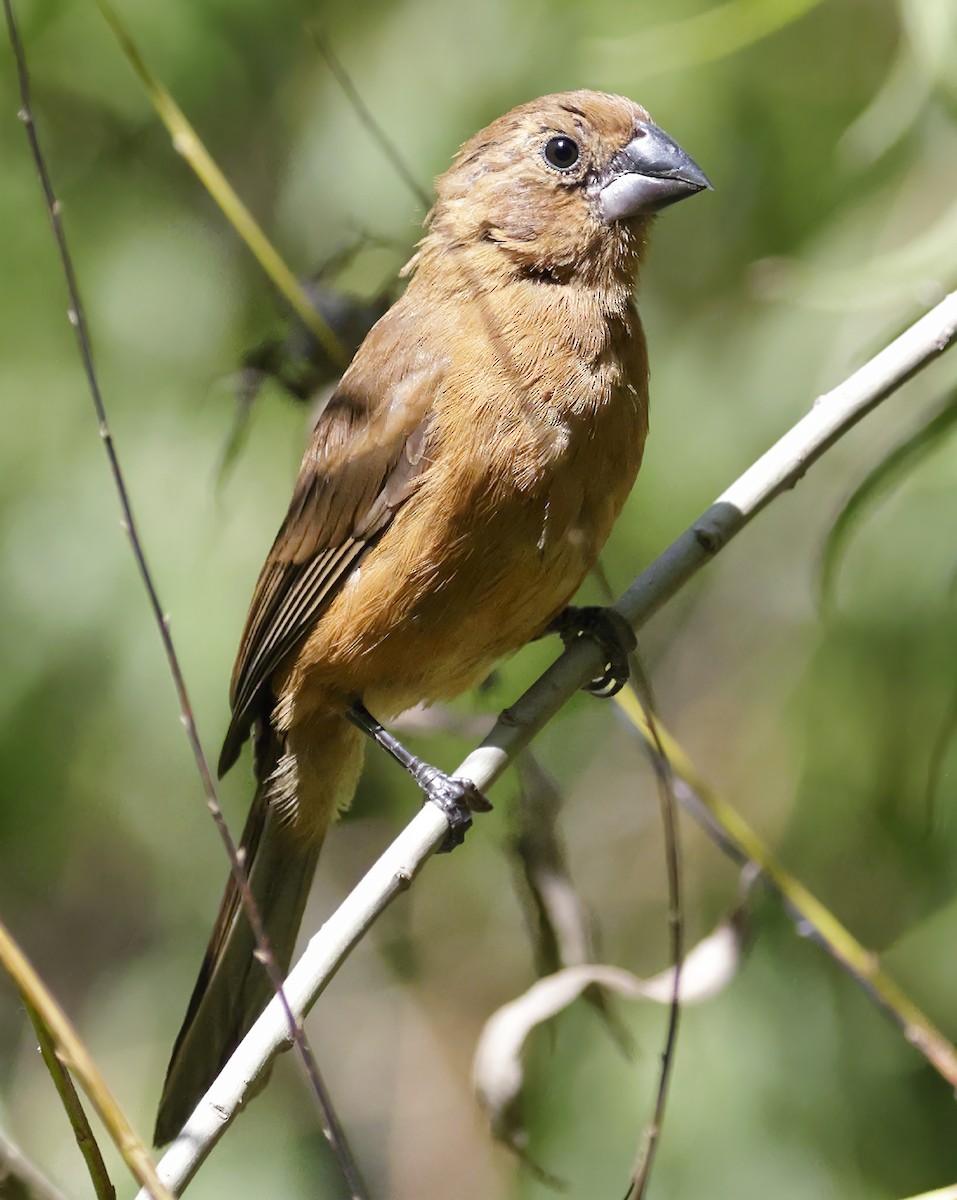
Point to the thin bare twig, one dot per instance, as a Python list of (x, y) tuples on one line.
[(725, 826), (188, 144), (365, 115), (78, 1060), (72, 1106), (780, 468), (15, 1167), (331, 1125), (668, 804)]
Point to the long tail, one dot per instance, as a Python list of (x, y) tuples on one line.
[(305, 780), (233, 988)]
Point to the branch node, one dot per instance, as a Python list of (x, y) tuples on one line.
[(709, 537)]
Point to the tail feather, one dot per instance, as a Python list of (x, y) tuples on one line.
[(233, 988)]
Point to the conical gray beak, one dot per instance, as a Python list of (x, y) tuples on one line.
[(649, 174)]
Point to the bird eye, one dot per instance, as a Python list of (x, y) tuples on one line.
[(561, 152)]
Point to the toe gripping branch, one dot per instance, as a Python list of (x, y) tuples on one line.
[(613, 636), (457, 798)]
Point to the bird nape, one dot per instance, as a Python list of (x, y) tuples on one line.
[(457, 488)]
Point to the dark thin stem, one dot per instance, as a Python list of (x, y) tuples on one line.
[(668, 804), (77, 318), (362, 111), (668, 801), (72, 1106)]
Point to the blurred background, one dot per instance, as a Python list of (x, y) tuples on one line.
[(829, 129)]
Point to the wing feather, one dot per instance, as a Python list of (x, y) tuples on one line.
[(367, 452)]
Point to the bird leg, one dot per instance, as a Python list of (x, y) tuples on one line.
[(457, 798), (613, 635)]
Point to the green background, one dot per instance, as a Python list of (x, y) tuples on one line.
[(830, 132)]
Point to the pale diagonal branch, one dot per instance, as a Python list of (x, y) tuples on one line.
[(777, 470)]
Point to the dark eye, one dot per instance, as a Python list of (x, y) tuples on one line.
[(561, 152)]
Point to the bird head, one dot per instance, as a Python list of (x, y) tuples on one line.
[(562, 189)]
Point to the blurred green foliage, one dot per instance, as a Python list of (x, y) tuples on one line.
[(829, 131)]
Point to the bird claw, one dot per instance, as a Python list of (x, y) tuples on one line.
[(613, 636), (457, 798)]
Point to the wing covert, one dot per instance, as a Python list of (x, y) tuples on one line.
[(365, 456)]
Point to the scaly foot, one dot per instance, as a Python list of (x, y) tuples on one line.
[(613, 635), (457, 798)]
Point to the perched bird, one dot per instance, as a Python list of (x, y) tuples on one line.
[(457, 488)]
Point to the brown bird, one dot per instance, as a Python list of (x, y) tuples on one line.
[(457, 488)]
